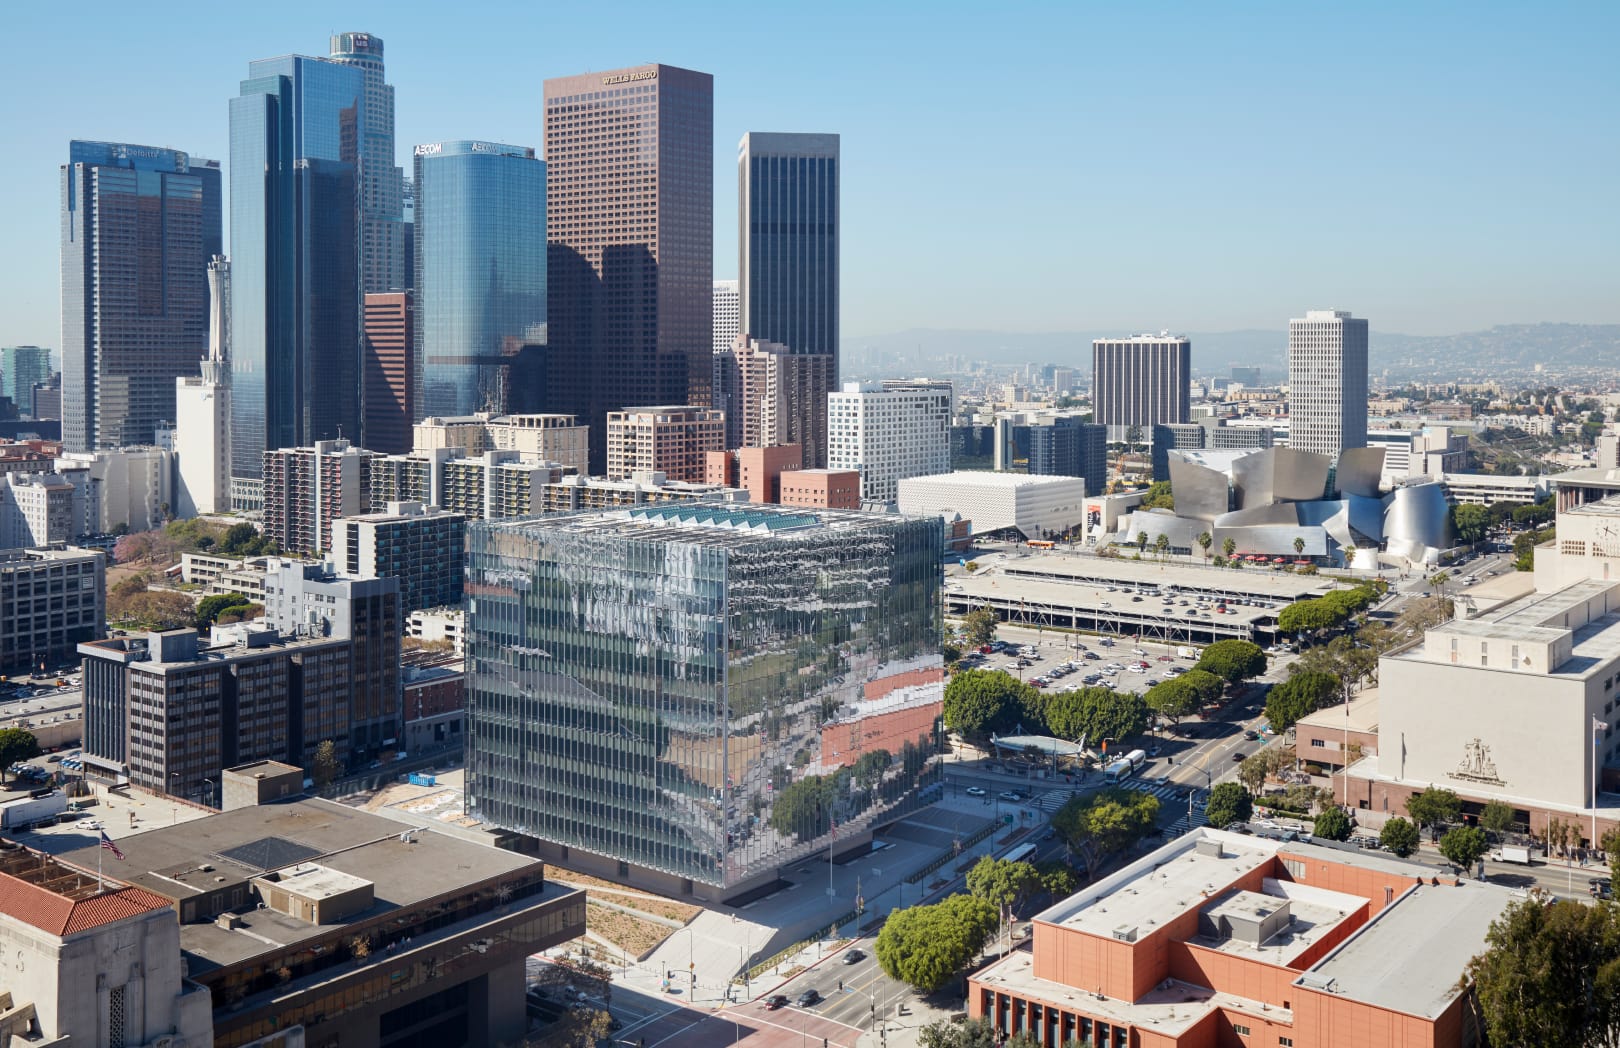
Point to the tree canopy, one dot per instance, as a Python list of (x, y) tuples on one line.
[(926, 946), (1332, 824), (1096, 713), (1228, 802), (979, 703), (1100, 824), (1300, 694), (1173, 699), (1434, 807), (1309, 616), (324, 765), (1550, 974), (1004, 884), (1233, 660), (979, 627), (1463, 845), (1399, 836), (1159, 496), (1471, 521), (16, 744)]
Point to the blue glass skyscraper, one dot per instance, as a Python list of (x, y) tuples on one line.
[(480, 257), (296, 130), (139, 225), (787, 233)]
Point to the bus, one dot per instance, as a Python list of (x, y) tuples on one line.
[(1022, 853), (1040, 544)]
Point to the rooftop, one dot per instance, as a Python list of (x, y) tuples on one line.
[(1408, 958), (194, 857), (700, 523), (986, 479), (1361, 716), (60, 899)]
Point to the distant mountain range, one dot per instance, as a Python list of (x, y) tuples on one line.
[(1505, 348)]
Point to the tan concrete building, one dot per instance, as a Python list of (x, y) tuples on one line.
[(547, 438), (773, 396), (671, 439)]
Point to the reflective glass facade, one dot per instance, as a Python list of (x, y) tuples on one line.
[(651, 685), (480, 271), (788, 239), (295, 293), (139, 225), (382, 182)]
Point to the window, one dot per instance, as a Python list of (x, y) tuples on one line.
[(1319, 742), (1240, 1029), (115, 1017), (1287, 1042)]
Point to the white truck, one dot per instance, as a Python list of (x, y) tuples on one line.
[(1187, 652), (1513, 853), (24, 812)]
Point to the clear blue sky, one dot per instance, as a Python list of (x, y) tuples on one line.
[(1014, 166)]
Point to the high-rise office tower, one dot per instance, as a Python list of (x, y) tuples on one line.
[(480, 271), (1140, 381), (1327, 382), (787, 246), (381, 182), (139, 225), (630, 226), (387, 369), (727, 315), (296, 130), (889, 434), (21, 369)]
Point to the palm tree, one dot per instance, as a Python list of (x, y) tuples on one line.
[(1229, 547), (1299, 545), (1141, 540), (1161, 545), (1206, 540)]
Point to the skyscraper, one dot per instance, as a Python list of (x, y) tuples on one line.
[(630, 227), (387, 365), (1327, 382), (480, 270), (787, 246), (21, 369), (139, 225), (889, 434), (296, 130), (727, 315), (381, 182), (1140, 381)]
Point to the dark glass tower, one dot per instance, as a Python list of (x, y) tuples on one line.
[(139, 225), (381, 185), (480, 271), (296, 130), (630, 226), (787, 247)]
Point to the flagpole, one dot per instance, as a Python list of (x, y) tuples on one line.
[(99, 885)]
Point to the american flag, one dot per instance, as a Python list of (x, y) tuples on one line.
[(106, 842)]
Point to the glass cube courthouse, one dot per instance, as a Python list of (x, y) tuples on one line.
[(651, 687)]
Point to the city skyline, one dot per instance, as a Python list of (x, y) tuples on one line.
[(1406, 99)]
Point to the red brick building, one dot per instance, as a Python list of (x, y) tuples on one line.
[(823, 488), (758, 470), (1220, 939)]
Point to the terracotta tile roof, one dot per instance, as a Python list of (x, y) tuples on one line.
[(61, 915)]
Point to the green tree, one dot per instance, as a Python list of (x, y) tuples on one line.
[(1471, 523), (1095, 713), (1399, 836), (1434, 807), (1208, 687), (237, 540), (979, 627), (1333, 824), (1159, 496), (979, 703), (1463, 845), (1173, 699), (16, 744), (324, 766), (1299, 546), (1141, 540), (209, 608), (1610, 843), (1161, 545), (1233, 660), (946, 1033), (1253, 769), (1309, 616), (1228, 802), (1228, 547), (1205, 540), (1101, 824), (927, 946), (1550, 974), (1299, 695), (1058, 879), (805, 809), (1496, 818), (1005, 885)]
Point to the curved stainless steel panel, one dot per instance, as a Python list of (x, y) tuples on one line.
[(1359, 471), (1201, 493), (1417, 521), (1299, 476)]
